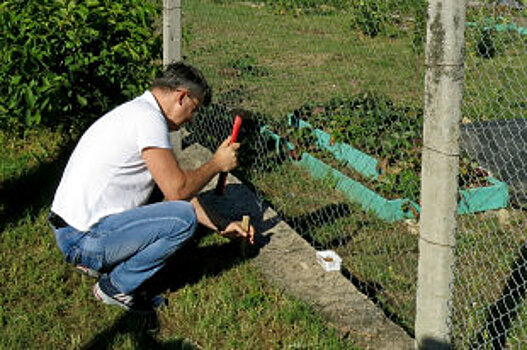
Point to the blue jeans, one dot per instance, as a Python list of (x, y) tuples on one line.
[(130, 246)]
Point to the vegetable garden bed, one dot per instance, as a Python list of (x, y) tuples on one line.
[(388, 187)]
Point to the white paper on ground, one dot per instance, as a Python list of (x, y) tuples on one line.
[(329, 260)]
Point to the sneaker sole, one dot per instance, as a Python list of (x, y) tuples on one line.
[(106, 299), (100, 295)]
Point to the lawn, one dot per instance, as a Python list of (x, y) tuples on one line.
[(381, 258), (273, 62), (270, 62), (293, 59), (217, 300)]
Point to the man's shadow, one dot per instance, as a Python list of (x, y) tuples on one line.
[(143, 329), (194, 261), (27, 194), (186, 267)]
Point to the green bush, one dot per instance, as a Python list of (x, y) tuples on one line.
[(370, 122), (485, 47), (247, 66), (375, 125), (64, 58)]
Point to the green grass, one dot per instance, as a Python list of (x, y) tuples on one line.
[(311, 58), (303, 55), (217, 300), (21, 155), (315, 57), (271, 63), (487, 248), (495, 88), (382, 257)]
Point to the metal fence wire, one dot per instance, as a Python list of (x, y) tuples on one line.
[(331, 93), (491, 254)]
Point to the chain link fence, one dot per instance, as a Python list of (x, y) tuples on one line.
[(331, 93), (491, 257)]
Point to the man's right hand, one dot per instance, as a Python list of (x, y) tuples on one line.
[(235, 230), (226, 156)]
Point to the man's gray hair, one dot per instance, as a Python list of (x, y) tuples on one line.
[(182, 75)]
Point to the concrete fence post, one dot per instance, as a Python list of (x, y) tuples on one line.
[(171, 31), (172, 48), (445, 43)]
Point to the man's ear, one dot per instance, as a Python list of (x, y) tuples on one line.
[(180, 96)]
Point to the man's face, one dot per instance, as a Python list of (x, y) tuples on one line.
[(186, 106), (195, 105)]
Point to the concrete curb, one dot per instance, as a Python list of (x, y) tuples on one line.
[(287, 260)]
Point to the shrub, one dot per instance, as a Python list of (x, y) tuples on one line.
[(390, 18), (389, 131), (371, 122), (64, 58)]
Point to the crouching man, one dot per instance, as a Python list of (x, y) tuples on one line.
[(99, 214)]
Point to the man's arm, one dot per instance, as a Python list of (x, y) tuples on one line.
[(232, 230), (204, 218), (177, 184)]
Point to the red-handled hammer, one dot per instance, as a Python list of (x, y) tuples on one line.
[(222, 180)]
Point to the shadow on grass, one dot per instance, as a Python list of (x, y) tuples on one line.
[(307, 224), (192, 262), (143, 329), (27, 194), (372, 290), (501, 314), (187, 267)]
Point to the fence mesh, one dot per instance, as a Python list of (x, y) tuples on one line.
[(331, 93), (491, 269)]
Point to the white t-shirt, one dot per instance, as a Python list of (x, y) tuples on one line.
[(106, 173)]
